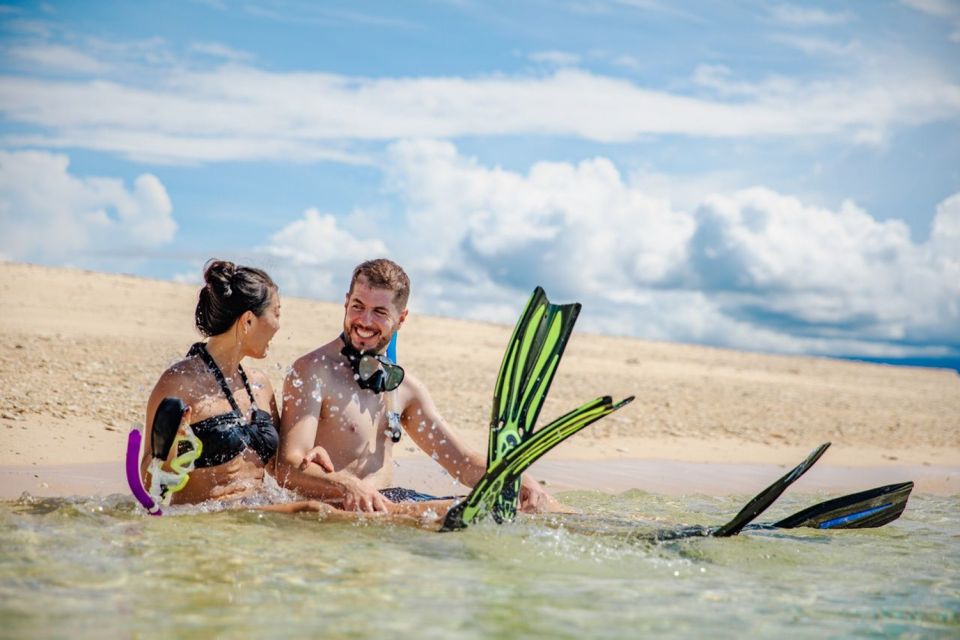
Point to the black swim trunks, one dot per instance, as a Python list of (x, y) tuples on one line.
[(400, 494)]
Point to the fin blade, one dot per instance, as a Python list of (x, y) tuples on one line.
[(538, 444), (765, 498), (487, 494), (527, 370), (870, 508)]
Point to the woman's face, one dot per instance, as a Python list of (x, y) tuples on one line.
[(262, 328)]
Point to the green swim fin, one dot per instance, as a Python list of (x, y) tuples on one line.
[(488, 494), (526, 372)]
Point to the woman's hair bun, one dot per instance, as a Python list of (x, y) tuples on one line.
[(231, 290), (219, 274)]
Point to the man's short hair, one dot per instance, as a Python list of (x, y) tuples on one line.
[(384, 274)]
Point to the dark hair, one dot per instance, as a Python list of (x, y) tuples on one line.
[(384, 274), (230, 291)]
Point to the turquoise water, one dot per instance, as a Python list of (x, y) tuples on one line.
[(99, 568)]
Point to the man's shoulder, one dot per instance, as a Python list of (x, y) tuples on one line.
[(318, 359), (413, 387)]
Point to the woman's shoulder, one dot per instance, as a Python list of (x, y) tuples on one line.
[(181, 379)]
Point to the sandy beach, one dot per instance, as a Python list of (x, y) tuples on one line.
[(80, 351)]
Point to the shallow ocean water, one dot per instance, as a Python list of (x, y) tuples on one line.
[(78, 567)]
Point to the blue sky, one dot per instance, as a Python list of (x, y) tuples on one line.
[(782, 177)]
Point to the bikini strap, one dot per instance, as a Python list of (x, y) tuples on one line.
[(246, 385), (200, 349)]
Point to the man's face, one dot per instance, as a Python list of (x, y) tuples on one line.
[(371, 317)]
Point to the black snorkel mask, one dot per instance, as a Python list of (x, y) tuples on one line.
[(372, 371)]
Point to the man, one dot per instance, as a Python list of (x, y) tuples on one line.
[(334, 435)]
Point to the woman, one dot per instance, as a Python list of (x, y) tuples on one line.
[(233, 411)]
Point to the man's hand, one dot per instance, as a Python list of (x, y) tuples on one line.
[(360, 496), (318, 455), (533, 497)]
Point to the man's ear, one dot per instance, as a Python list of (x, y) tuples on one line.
[(403, 316)]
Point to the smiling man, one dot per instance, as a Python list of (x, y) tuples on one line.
[(336, 436)]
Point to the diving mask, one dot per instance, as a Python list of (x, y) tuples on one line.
[(372, 371)]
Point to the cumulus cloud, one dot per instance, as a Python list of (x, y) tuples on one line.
[(49, 213), (314, 255), (769, 258), (748, 269)]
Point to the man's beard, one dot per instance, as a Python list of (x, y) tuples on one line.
[(380, 346)]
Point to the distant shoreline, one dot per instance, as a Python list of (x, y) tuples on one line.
[(665, 477), (951, 363)]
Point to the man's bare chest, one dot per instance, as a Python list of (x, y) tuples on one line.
[(352, 419)]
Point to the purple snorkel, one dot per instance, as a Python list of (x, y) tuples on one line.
[(133, 474)]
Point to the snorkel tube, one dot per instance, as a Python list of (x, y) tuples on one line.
[(393, 417), (392, 348), (133, 474)]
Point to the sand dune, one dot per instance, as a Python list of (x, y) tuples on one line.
[(80, 351)]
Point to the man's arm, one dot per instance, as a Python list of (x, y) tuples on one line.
[(300, 464), (422, 421)]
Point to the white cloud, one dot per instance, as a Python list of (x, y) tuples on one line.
[(798, 16), (57, 58), (816, 46), (949, 10), (749, 269), (821, 272), (310, 255), (557, 58), (238, 112), (49, 213), (222, 51)]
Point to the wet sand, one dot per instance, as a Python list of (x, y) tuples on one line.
[(80, 351)]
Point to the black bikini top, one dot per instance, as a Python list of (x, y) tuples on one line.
[(225, 436)]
